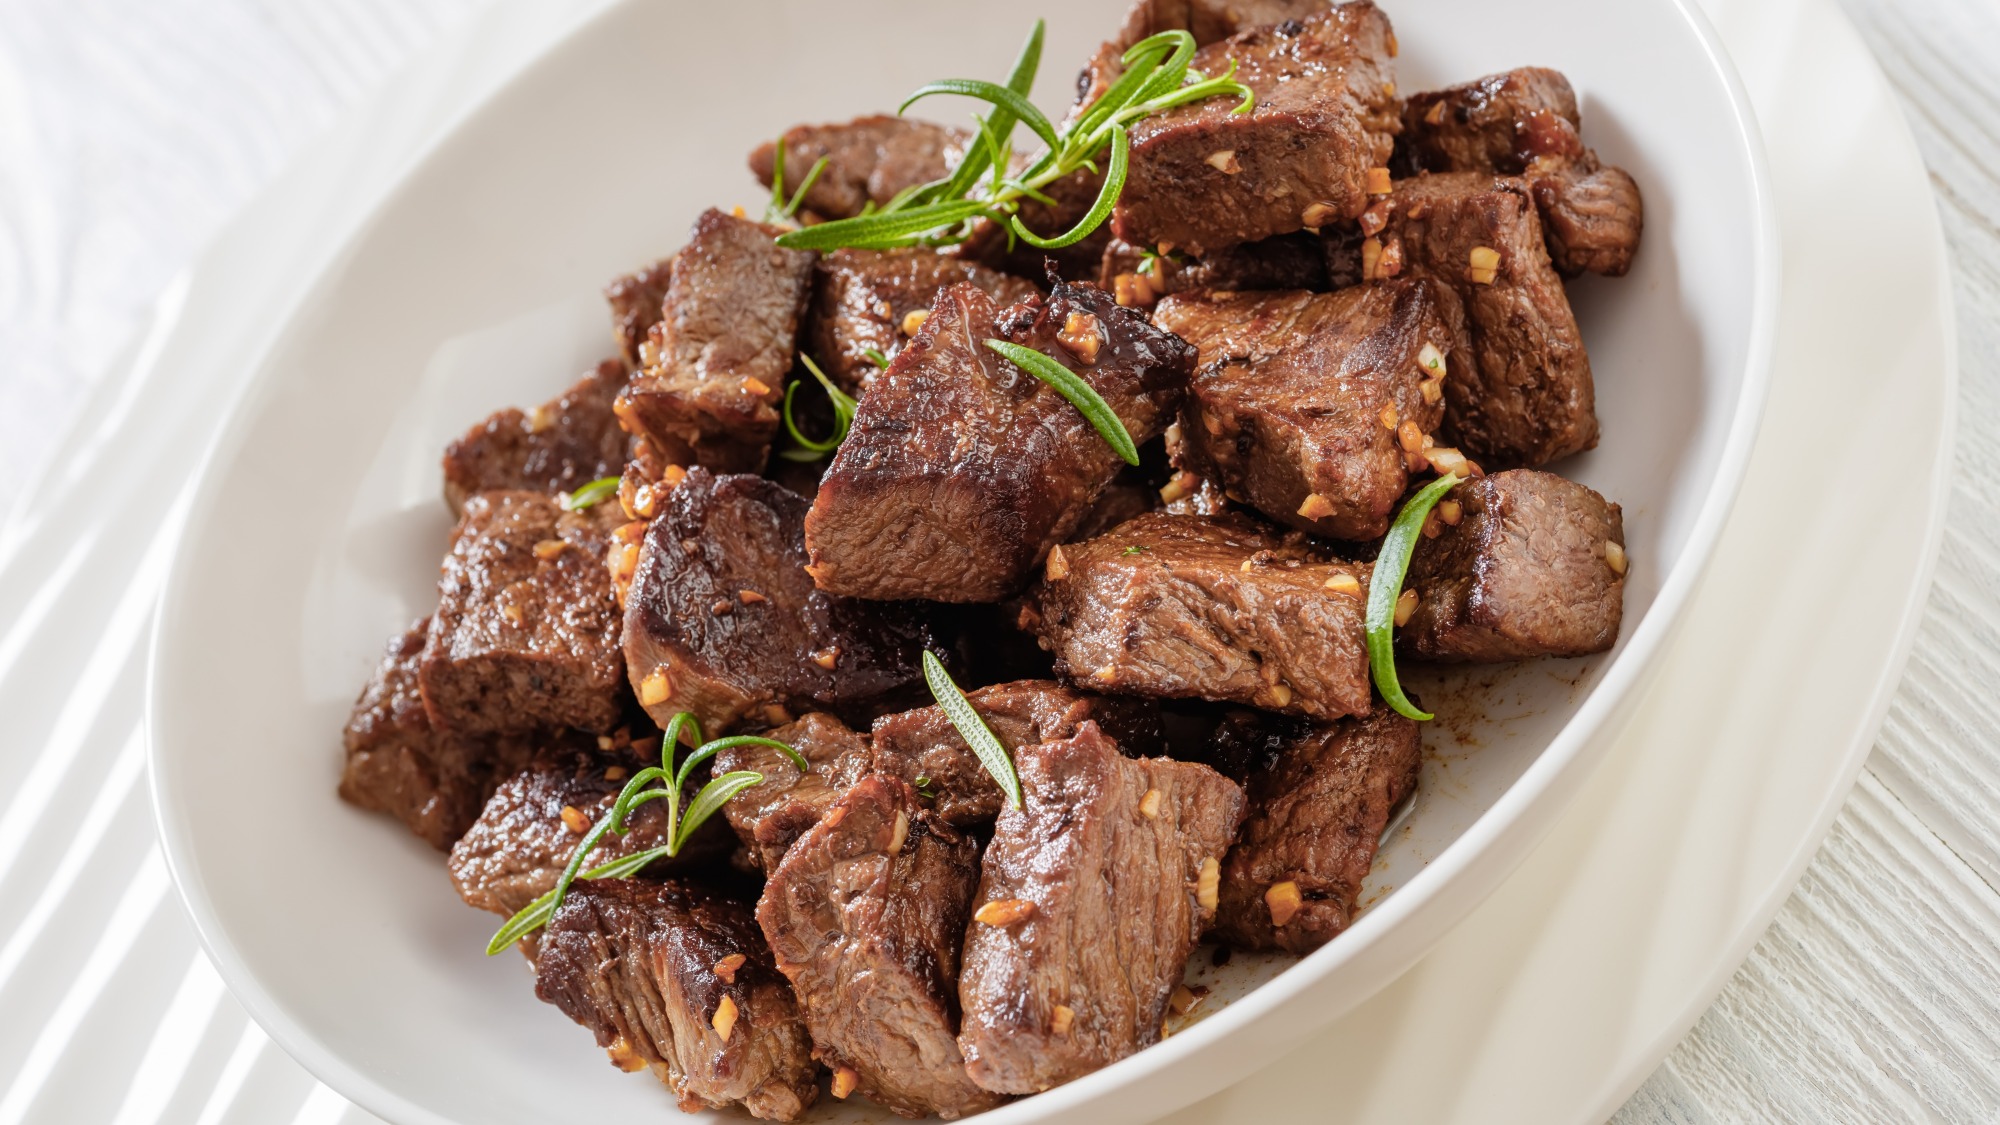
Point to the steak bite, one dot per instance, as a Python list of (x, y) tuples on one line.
[(1314, 408), (1527, 397), (772, 814), (559, 446), (716, 361), (1210, 607), (869, 160), (636, 299), (923, 748), (722, 619), (1091, 897), (671, 977), (526, 632), (866, 915), (1204, 177), (530, 827), (1525, 123), (961, 469), (1316, 817), (862, 298), (398, 763), (1534, 566)]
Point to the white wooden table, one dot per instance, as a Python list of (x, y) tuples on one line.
[(131, 130)]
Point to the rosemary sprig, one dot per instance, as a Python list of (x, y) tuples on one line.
[(779, 209), (973, 729), (844, 405), (1079, 393), (1386, 585), (681, 823), (590, 495), (1156, 78), (876, 357)]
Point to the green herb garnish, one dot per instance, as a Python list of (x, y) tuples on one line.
[(844, 406), (1135, 549), (973, 729), (1156, 78), (681, 823), (876, 357), (590, 495), (1079, 393), (1386, 585), (779, 209)]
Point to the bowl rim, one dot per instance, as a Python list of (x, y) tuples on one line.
[(1564, 760)]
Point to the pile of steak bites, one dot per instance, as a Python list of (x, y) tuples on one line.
[(1299, 314)]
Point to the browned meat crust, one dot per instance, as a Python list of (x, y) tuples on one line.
[(1090, 900), (865, 915), (1311, 407), (650, 969), (715, 363), (1203, 177), (559, 446), (869, 160), (770, 816), (526, 632), (1523, 574), (1209, 607), (1316, 818), (962, 470)]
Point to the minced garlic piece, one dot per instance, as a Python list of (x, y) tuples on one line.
[(1208, 885)]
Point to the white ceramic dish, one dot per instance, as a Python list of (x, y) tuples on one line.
[(317, 527)]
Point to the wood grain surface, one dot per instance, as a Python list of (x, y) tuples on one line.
[(131, 130)]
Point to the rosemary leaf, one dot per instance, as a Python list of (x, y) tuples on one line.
[(712, 797), (883, 230), (973, 729), (596, 492), (1386, 585), (1107, 197), (1079, 393), (844, 406), (1023, 110)]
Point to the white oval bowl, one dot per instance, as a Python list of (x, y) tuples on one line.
[(317, 527)]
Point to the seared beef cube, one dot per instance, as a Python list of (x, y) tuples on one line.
[(530, 827), (1316, 817), (716, 362), (1525, 123), (924, 749), (962, 470), (1527, 397), (1311, 407), (772, 814), (1203, 177), (1591, 217), (1502, 123), (866, 916), (862, 297), (636, 299), (1210, 607), (559, 446), (1286, 261), (869, 160), (1535, 566), (526, 632), (723, 620), (671, 977), (399, 764), (1091, 897)]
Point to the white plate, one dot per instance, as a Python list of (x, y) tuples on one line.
[(317, 527)]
